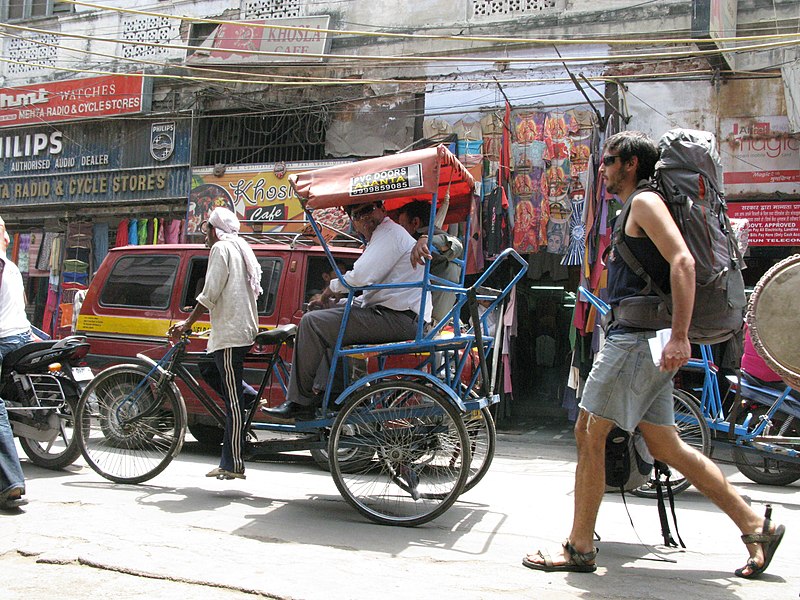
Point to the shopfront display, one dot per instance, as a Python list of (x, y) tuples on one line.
[(66, 190)]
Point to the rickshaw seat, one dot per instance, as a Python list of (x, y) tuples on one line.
[(276, 336)]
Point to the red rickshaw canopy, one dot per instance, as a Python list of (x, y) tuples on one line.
[(395, 179)]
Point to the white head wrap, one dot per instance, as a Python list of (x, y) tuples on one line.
[(226, 226)]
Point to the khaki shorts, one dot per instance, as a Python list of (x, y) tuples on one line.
[(625, 386)]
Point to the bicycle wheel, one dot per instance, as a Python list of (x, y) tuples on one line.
[(764, 469), (131, 427), (64, 449), (692, 429), (421, 446)]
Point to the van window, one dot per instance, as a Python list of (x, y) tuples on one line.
[(320, 272), (270, 281), (141, 281)]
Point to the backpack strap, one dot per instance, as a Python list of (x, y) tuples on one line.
[(663, 469), (624, 250)]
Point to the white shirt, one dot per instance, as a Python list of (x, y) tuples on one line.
[(387, 259), (229, 299), (13, 319)]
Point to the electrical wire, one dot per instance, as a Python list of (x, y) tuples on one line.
[(412, 36)]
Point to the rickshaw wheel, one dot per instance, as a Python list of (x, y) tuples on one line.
[(422, 452), (480, 429)]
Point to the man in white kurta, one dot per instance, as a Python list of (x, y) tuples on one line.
[(233, 282)]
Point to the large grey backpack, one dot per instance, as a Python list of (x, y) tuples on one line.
[(688, 177)]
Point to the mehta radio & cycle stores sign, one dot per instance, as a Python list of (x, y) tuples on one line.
[(91, 97)]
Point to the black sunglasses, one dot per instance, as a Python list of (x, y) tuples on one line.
[(609, 159), (363, 212)]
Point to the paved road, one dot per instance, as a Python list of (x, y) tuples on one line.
[(286, 533)]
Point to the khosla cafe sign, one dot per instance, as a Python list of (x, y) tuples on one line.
[(291, 40)]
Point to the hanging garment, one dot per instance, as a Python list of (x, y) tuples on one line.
[(162, 223), (133, 233), (55, 256), (100, 243), (24, 256), (495, 233), (142, 231), (43, 262), (122, 233), (475, 262), (173, 233)]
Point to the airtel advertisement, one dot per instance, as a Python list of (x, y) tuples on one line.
[(91, 97), (759, 157)]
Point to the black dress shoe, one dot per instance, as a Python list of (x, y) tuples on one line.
[(290, 410)]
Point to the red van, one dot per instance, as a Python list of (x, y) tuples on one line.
[(139, 291)]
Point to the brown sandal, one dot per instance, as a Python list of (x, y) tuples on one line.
[(579, 562), (769, 544)]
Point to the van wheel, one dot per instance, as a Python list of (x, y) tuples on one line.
[(209, 436)]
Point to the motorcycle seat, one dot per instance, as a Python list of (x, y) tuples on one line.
[(11, 359)]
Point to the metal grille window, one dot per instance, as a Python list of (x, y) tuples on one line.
[(271, 9), (502, 8), (278, 137)]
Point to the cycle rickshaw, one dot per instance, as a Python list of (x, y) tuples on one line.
[(404, 439)]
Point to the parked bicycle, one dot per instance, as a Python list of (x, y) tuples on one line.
[(762, 428)]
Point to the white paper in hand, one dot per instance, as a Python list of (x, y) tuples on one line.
[(657, 344)]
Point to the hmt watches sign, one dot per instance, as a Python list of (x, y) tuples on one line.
[(106, 96)]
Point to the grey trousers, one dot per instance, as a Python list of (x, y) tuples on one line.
[(316, 337)]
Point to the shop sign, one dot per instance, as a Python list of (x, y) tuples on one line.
[(770, 223), (759, 156), (234, 43), (79, 162), (254, 193), (80, 147), (99, 186), (91, 97)]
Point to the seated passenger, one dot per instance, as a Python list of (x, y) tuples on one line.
[(382, 316), (755, 366), (414, 217)]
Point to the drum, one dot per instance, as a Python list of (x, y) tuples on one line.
[(772, 317)]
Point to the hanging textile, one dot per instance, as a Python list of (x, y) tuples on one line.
[(161, 239), (133, 233), (43, 261), (142, 231), (100, 243), (122, 233), (23, 257), (173, 233)]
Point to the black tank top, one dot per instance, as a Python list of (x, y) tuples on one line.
[(623, 282)]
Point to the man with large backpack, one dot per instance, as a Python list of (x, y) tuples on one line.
[(625, 388)]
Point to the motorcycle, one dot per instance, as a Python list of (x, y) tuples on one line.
[(41, 383)]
